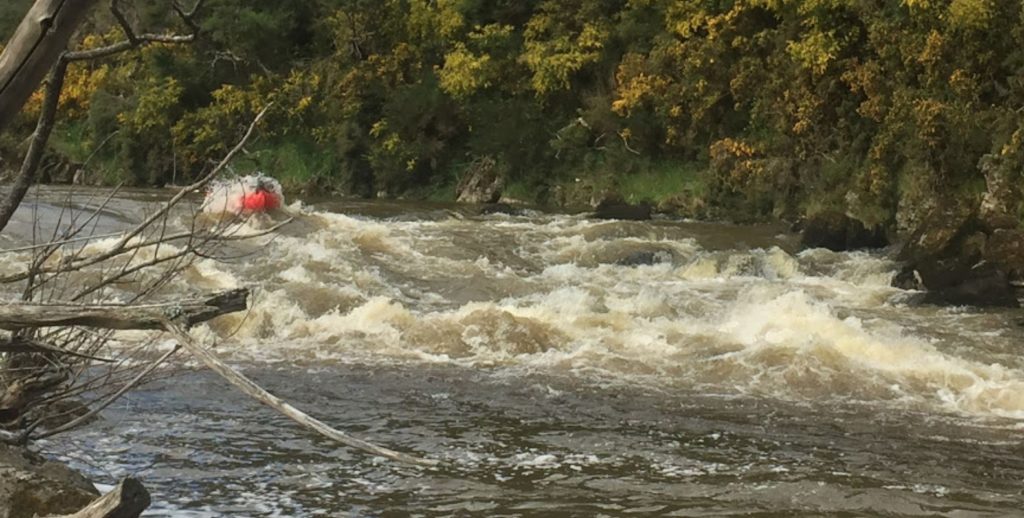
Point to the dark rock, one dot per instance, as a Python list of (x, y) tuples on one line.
[(500, 208), (983, 285), (622, 210), (952, 256), (33, 486), (993, 222), (644, 258), (907, 279), (938, 274), (685, 204), (1006, 247), (838, 232), (939, 232)]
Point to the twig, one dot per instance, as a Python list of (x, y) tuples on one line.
[(110, 399), (123, 246)]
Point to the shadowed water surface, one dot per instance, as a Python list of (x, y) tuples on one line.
[(528, 445)]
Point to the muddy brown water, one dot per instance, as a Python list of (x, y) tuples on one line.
[(735, 375)]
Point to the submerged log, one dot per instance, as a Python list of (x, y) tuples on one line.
[(127, 500), (15, 316)]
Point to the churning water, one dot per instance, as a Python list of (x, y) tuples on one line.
[(564, 366)]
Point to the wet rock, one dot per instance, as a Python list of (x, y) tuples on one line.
[(33, 486), (1006, 247), (954, 258), (501, 208), (908, 279), (644, 258), (613, 209), (937, 234), (838, 232), (983, 285), (686, 204), (482, 183)]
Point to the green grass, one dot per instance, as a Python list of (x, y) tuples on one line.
[(662, 181), (296, 163), (521, 191), (72, 141)]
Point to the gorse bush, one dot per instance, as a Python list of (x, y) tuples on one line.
[(780, 106)]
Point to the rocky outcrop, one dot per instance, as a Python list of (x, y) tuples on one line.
[(33, 486), (644, 258), (838, 232), (985, 284), (623, 210), (961, 259), (482, 182)]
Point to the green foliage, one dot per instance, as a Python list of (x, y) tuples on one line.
[(760, 107)]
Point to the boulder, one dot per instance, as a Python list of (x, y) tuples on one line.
[(1006, 247), (644, 258), (959, 260), (500, 208), (938, 232), (623, 210), (33, 486), (986, 284), (838, 232), (611, 205), (482, 182)]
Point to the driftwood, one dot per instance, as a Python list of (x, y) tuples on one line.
[(175, 318), (127, 500), (14, 316), (253, 390)]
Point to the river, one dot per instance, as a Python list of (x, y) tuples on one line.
[(732, 375)]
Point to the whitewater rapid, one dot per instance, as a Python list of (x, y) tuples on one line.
[(557, 365), (547, 293)]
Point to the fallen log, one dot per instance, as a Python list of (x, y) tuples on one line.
[(175, 318), (127, 500), (253, 390), (15, 316)]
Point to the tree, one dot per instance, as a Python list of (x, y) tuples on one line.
[(55, 350)]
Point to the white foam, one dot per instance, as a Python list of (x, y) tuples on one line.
[(814, 325)]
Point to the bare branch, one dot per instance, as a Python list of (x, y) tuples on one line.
[(255, 391), (96, 409), (137, 40), (30, 166), (33, 50), (123, 245), (115, 9)]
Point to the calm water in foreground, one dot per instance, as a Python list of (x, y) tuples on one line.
[(733, 376)]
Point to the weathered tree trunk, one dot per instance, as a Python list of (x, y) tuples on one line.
[(110, 316), (33, 50), (253, 390)]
